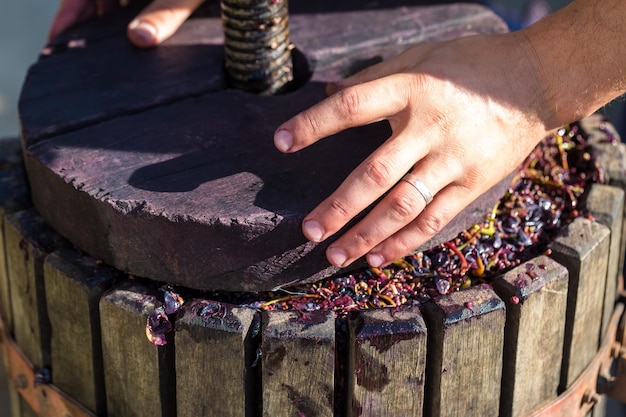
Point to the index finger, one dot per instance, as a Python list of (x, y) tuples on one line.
[(354, 106)]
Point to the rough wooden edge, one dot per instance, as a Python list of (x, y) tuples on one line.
[(387, 362), (535, 295), (298, 363), (139, 379), (216, 348), (582, 247), (465, 344), (74, 284)]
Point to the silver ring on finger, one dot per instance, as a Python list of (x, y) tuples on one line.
[(419, 186)]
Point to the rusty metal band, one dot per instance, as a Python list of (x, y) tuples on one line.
[(44, 400), (581, 396)]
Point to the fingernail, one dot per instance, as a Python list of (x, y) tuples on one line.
[(375, 260), (337, 256), (283, 140), (313, 230), (145, 32)]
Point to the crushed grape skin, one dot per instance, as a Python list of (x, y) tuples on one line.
[(543, 197)]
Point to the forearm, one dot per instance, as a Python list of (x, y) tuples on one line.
[(580, 59)]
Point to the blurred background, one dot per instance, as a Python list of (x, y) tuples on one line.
[(23, 28), (24, 25)]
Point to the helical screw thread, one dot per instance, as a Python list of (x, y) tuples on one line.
[(257, 47)]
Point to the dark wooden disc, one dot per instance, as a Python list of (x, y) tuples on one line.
[(147, 160)]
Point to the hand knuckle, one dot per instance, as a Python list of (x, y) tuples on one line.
[(403, 246), (339, 207), (350, 102), (404, 206), (364, 240), (378, 173), (431, 224), (311, 124)]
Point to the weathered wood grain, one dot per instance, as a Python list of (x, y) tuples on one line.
[(387, 363), (298, 364), (610, 154), (139, 377), (535, 294), (13, 197), (606, 205), (216, 348), (207, 200), (190, 63), (583, 248), (464, 359), (74, 284), (28, 240)]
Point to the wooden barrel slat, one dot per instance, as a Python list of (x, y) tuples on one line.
[(464, 360), (534, 334), (74, 284), (216, 362), (582, 247), (298, 364), (139, 377), (28, 241), (610, 154), (387, 363), (606, 205), (13, 197)]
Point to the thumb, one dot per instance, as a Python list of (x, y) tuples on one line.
[(159, 21)]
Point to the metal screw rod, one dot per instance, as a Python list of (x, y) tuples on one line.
[(256, 44)]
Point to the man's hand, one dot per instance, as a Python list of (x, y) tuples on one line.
[(152, 26), (462, 118), (463, 114)]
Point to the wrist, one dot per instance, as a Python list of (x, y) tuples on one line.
[(576, 57)]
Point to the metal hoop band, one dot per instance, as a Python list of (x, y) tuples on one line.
[(419, 186)]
